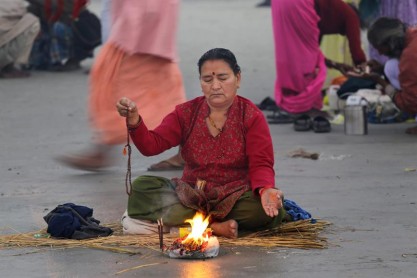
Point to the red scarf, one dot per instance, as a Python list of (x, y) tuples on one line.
[(78, 5)]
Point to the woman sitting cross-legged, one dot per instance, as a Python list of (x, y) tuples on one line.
[(228, 153)]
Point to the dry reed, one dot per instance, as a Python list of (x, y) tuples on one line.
[(299, 234)]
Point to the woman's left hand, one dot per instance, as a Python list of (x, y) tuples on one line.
[(271, 199)]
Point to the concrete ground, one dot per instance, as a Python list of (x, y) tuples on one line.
[(359, 183)]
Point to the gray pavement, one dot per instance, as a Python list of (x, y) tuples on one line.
[(359, 183)]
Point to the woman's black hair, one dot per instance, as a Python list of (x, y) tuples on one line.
[(388, 32), (219, 54)]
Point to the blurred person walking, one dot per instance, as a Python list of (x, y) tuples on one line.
[(139, 61), (105, 19), (18, 29)]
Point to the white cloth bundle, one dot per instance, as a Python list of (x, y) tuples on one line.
[(133, 226)]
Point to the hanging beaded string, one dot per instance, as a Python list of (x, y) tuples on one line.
[(128, 150)]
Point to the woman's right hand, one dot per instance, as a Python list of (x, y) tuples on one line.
[(128, 109)]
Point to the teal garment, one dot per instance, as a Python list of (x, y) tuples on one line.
[(368, 11), (154, 197)]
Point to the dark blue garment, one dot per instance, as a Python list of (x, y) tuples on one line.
[(63, 221), (86, 35), (61, 41), (354, 84), (295, 211), (52, 46)]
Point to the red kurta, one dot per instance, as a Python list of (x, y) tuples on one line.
[(239, 159), (406, 99), (337, 17)]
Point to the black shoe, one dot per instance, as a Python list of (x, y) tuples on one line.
[(268, 104), (321, 125), (280, 117), (303, 123), (266, 3)]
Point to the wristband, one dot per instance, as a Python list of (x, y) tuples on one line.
[(131, 127)]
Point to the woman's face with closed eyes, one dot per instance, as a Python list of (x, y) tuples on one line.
[(219, 83)]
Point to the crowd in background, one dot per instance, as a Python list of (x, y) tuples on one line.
[(57, 35), (52, 35)]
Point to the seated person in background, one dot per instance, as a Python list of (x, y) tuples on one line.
[(18, 30), (394, 39), (69, 34), (228, 153)]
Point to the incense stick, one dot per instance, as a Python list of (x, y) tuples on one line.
[(160, 233)]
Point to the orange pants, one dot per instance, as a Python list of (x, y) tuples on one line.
[(153, 83)]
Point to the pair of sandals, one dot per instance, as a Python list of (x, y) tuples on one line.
[(267, 104), (301, 123), (318, 124), (278, 116)]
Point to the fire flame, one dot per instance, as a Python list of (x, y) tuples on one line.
[(198, 233)]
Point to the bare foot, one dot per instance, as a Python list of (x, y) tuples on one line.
[(93, 160), (226, 229), (173, 163), (411, 130), (176, 159)]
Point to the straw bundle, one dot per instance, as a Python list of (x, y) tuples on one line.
[(298, 234)]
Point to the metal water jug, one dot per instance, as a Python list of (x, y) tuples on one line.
[(356, 122)]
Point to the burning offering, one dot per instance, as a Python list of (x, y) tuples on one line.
[(200, 243)]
